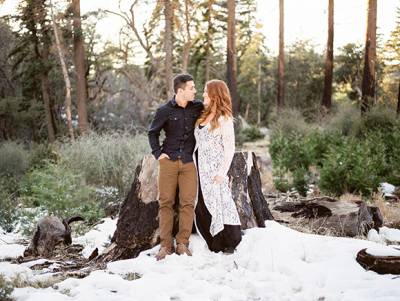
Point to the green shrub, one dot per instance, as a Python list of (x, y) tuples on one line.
[(41, 154), (289, 121), (105, 160), (5, 289), (345, 164), (393, 155), (14, 160), (8, 205), (251, 134), (378, 119), (61, 192), (300, 180), (355, 166), (291, 154), (281, 183), (345, 120)]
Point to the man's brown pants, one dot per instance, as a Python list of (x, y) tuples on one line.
[(173, 174)]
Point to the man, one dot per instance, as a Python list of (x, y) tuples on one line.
[(176, 167)]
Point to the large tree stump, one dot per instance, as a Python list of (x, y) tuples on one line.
[(137, 227), (379, 264), (338, 217), (50, 232)]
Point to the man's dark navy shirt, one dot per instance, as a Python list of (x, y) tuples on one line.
[(178, 124)]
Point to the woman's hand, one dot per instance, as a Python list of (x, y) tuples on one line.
[(162, 156), (218, 179)]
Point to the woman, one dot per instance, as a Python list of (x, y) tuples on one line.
[(217, 219)]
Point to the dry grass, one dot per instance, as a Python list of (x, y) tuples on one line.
[(350, 197), (21, 282), (390, 210), (267, 181)]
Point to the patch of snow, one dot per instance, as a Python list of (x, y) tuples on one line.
[(265, 131), (385, 236), (8, 245), (11, 250), (107, 191), (383, 251), (31, 294), (98, 237), (34, 262), (390, 234), (387, 189), (374, 236), (10, 270), (249, 162)]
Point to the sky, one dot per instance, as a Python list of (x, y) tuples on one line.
[(304, 19)]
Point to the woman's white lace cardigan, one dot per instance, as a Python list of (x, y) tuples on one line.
[(215, 153)]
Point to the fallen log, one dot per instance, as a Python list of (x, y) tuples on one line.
[(337, 217), (379, 264)]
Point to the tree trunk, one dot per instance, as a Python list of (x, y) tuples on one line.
[(281, 58), (247, 112), (327, 98), (259, 95), (330, 216), (41, 38), (137, 227), (79, 58), (368, 83), (379, 264), (231, 58), (44, 78), (64, 69), (398, 101), (207, 47), (168, 12), (188, 43)]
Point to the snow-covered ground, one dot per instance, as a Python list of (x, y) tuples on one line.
[(98, 237), (272, 263)]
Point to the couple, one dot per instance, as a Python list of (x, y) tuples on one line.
[(201, 135)]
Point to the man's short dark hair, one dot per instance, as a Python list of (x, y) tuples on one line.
[(180, 81)]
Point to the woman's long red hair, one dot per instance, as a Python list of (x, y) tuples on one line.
[(220, 101)]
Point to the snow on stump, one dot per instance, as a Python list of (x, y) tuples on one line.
[(137, 227), (380, 264), (331, 216)]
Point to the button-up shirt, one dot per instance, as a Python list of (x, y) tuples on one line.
[(178, 124)]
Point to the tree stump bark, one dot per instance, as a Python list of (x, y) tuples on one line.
[(328, 215), (137, 227), (379, 264)]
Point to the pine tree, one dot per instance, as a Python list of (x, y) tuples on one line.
[(327, 98), (369, 76)]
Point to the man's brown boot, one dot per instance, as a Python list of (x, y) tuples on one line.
[(164, 251), (183, 249)]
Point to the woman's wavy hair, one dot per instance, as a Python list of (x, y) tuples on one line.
[(220, 100)]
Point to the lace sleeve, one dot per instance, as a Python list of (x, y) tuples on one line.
[(228, 141)]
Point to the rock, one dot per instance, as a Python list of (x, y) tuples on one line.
[(396, 192), (328, 215)]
